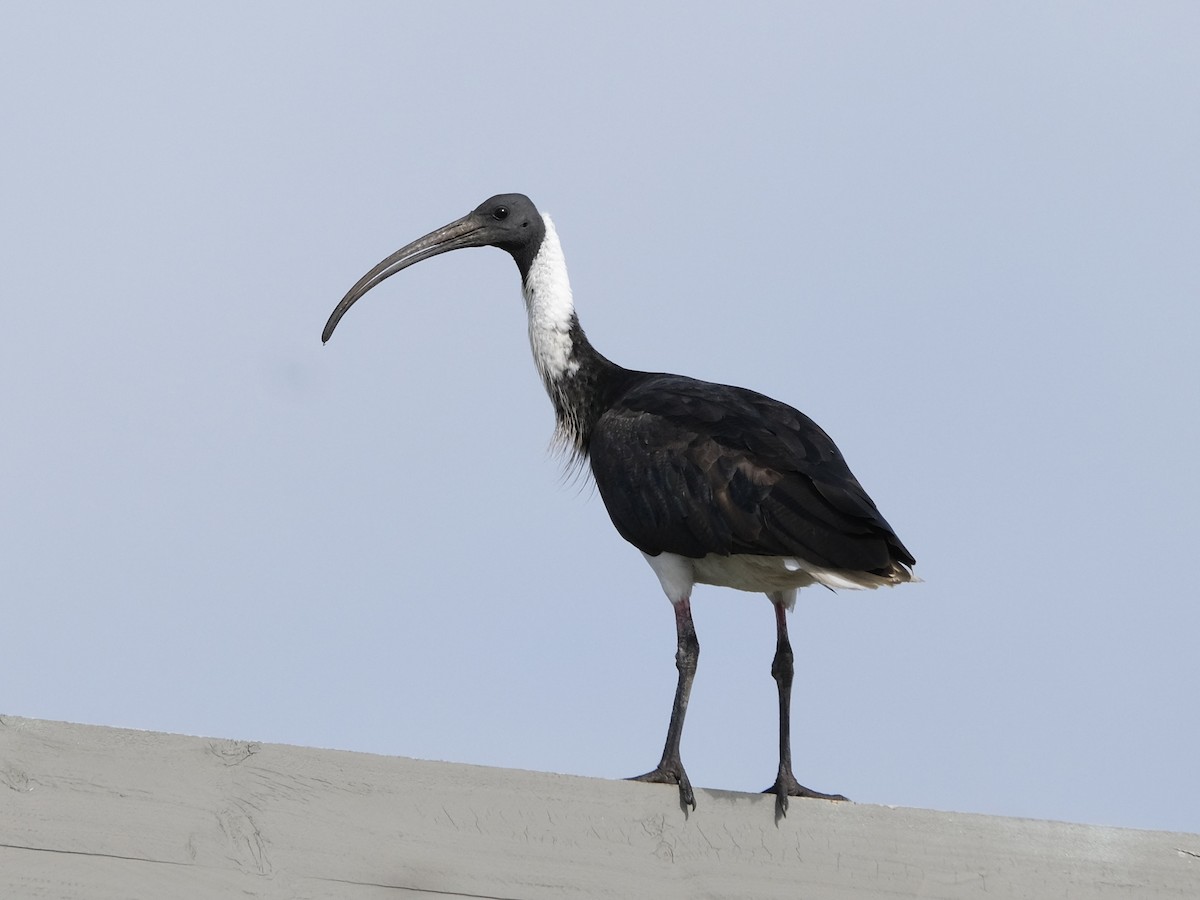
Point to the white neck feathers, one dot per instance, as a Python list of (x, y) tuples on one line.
[(551, 310)]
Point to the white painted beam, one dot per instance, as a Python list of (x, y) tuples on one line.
[(106, 813)]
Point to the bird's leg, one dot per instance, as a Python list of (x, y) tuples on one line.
[(781, 670), (670, 768)]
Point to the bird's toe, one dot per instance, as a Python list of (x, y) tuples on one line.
[(671, 774), (786, 786)]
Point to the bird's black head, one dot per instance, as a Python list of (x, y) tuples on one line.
[(511, 222), (508, 221)]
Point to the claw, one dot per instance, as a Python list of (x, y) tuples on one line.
[(671, 775), (786, 786)]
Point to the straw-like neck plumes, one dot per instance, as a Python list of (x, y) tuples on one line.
[(581, 383)]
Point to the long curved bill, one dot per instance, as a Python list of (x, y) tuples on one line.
[(465, 232)]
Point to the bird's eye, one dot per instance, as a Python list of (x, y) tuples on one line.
[(500, 213)]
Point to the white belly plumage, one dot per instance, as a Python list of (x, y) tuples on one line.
[(761, 574)]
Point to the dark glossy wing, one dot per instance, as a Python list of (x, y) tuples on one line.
[(693, 468)]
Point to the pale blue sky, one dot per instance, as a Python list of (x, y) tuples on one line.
[(962, 237)]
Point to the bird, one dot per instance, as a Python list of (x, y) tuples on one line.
[(714, 484)]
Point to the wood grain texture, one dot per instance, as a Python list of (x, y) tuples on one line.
[(106, 813)]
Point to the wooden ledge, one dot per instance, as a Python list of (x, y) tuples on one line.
[(106, 813)]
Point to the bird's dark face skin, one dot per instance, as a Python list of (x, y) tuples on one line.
[(508, 221)]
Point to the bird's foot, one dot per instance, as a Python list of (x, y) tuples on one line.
[(786, 786), (671, 773)]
